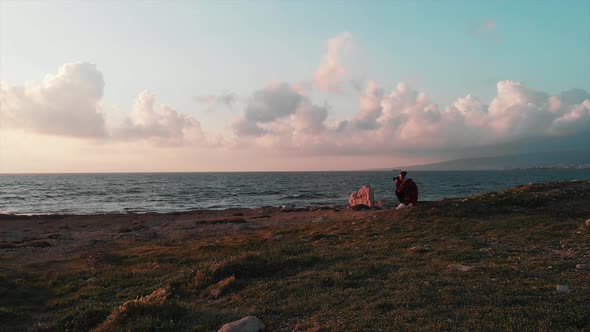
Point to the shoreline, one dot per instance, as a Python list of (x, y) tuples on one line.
[(81, 270)]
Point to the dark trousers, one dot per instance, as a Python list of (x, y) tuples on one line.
[(400, 196)]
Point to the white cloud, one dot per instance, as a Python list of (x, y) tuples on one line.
[(330, 73), (160, 123), (69, 104), (64, 104), (406, 120), (282, 117)]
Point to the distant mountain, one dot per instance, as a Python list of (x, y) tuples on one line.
[(557, 159)]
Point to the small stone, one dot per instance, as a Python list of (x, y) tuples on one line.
[(582, 266), (91, 280), (246, 324), (216, 293), (459, 267), (321, 219), (562, 289)]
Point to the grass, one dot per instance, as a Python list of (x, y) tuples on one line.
[(383, 271)]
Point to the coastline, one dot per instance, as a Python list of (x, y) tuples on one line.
[(220, 265)]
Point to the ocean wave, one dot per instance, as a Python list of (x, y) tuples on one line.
[(303, 196)]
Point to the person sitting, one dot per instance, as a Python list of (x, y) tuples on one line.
[(406, 190)]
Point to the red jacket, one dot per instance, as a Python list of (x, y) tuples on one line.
[(408, 189)]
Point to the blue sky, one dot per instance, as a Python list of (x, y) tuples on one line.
[(182, 49)]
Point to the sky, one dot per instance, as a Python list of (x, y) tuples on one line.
[(118, 86)]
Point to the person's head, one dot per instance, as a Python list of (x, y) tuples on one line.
[(402, 174)]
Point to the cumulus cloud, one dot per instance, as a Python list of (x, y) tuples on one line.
[(370, 106), (406, 120), (160, 123), (283, 116), (330, 73), (278, 109), (64, 104), (69, 104)]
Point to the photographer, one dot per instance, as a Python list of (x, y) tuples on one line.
[(406, 190)]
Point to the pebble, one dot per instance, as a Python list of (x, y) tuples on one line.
[(246, 324), (459, 267), (562, 289), (321, 219)]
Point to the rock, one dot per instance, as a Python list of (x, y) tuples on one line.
[(364, 196), (91, 280), (216, 292), (459, 267), (587, 222), (246, 324), (582, 266), (563, 289), (321, 219)]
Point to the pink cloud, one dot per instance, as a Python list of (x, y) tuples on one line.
[(69, 104), (330, 73), (406, 120)]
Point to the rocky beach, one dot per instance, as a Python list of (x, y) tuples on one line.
[(517, 259)]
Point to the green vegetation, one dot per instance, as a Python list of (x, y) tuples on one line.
[(384, 270)]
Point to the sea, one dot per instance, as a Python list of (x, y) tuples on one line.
[(31, 194)]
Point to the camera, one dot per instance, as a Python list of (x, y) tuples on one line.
[(395, 178)]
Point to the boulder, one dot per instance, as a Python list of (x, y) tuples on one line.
[(588, 222), (364, 196), (246, 324)]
